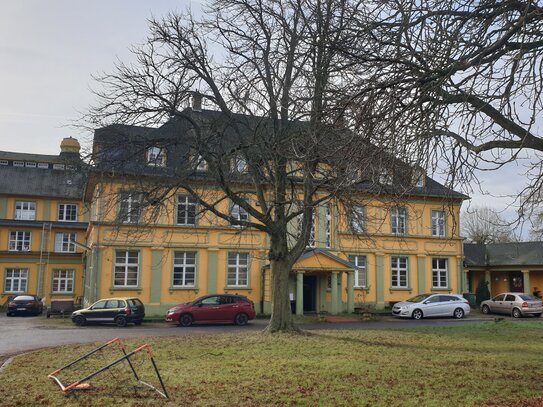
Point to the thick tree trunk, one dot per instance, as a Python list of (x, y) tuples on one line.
[(281, 318)]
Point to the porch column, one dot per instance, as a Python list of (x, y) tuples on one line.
[(489, 279), (299, 292), (350, 292), (526, 281), (334, 292)]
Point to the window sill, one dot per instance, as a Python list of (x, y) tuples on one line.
[(444, 289), (245, 288), (400, 289), (139, 289), (196, 289), (361, 288), (62, 293)]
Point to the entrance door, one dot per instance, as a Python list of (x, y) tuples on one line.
[(516, 282), (310, 293)]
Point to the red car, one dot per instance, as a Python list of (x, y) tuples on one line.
[(216, 308)]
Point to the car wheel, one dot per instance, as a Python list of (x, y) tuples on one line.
[(516, 313), (80, 320), (9, 314), (241, 319), (185, 320), (458, 313), (120, 321), (485, 309), (417, 314), (138, 323)]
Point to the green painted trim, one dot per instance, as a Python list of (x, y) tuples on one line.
[(3, 207), (299, 293), (462, 287), (156, 275), (212, 260), (16, 259), (334, 290), (350, 290), (526, 282), (323, 281), (380, 278), (46, 213), (421, 271)]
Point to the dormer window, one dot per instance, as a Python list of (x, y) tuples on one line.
[(201, 164), (156, 156), (418, 178), (239, 165), (385, 177)]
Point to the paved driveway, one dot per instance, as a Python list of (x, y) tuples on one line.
[(19, 334)]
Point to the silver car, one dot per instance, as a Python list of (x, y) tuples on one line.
[(432, 305), (514, 304)]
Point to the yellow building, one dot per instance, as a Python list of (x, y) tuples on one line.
[(42, 223), (507, 267), (392, 252)]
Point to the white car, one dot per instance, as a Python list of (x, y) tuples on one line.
[(432, 305)]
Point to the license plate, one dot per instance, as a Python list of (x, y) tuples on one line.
[(21, 309)]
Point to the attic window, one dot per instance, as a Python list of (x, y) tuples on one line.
[(3, 162), (201, 164), (156, 156), (58, 166), (239, 165), (418, 178), (18, 163), (385, 177), (43, 165), (30, 164)]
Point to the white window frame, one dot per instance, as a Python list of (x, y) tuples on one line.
[(123, 267), (239, 213), (15, 283), (18, 163), (22, 239), (438, 223), (156, 156), (328, 225), (357, 218), (190, 204), (312, 242), (440, 273), (67, 208), (43, 166), (184, 264), (361, 270), (59, 166), (64, 242), (398, 220), (63, 281), (201, 164), (133, 202), (236, 269), (397, 270), (25, 210)]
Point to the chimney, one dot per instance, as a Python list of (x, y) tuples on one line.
[(197, 101)]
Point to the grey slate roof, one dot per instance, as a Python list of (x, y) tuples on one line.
[(121, 148), (46, 183), (10, 155), (504, 254)]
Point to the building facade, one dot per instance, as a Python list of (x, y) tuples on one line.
[(43, 223)]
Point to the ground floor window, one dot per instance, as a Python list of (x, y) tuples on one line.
[(439, 273), (16, 280), (360, 273), (238, 269), (184, 269), (126, 268), (398, 272), (63, 281)]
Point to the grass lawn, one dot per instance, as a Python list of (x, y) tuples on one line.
[(487, 364)]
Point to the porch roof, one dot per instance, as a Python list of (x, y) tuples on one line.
[(321, 259)]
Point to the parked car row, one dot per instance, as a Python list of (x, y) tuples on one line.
[(454, 305), (238, 309)]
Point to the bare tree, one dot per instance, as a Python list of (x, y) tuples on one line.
[(484, 225), (457, 82), (276, 147)]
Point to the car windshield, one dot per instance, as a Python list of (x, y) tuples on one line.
[(528, 297), (23, 298), (418, 298)]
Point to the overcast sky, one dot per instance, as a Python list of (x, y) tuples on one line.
[(49, 50)]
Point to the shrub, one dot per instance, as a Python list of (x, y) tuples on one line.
[(482, 293)]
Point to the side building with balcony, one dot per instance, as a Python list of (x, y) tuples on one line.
[(42, 224), (163, 248)]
